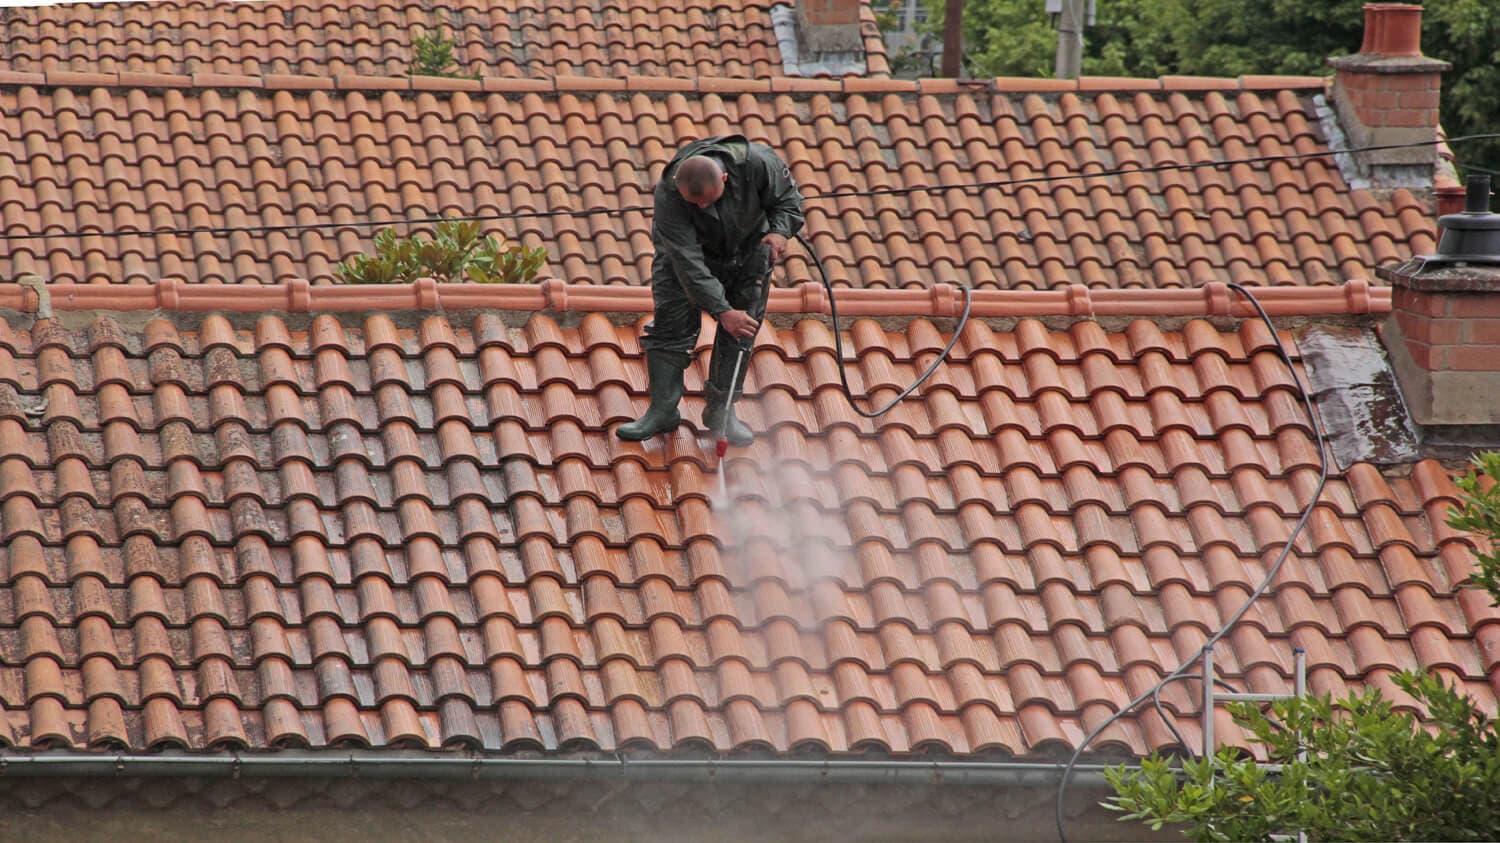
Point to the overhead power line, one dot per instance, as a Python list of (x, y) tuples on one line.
[(836, 194)]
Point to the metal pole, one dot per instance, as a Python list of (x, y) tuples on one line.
[(1070, 39), (953, 38), (1299, 678), (1229, 697), (1208, 702), (734, 378), (1299, 686)]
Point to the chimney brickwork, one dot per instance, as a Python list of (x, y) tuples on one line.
[(1450, 199), (1388, 93), (829, 26), (1443, 335)]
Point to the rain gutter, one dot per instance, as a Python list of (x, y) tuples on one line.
[(378, 764)]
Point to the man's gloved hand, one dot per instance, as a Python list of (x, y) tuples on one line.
[(738, 323), (777, 242)]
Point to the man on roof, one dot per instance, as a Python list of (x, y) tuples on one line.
[(725, 208)]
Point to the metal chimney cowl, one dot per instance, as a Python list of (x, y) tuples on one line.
[(1468, 252), (1474, 235)]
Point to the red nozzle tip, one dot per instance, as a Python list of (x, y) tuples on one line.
[(722, 448)]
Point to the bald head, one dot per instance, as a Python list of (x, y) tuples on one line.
[(700, 180)]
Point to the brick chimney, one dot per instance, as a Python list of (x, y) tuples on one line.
[(1387, 93), (1443, 335), (829, 26)]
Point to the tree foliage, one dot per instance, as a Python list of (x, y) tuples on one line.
[(1480, 515), (1371, 773), (1467, 33), (455, 252), (1152, 38)]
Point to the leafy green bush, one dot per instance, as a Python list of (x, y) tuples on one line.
[(1371, 773), (1481, 515), (455, 252)]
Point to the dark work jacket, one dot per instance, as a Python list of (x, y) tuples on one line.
[(760, 198)]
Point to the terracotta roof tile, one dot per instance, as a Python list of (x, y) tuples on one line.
[(159, 40), (426, 537), (95, 155)]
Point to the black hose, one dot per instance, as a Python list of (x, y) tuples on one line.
[(838, 343), (1281, 557)]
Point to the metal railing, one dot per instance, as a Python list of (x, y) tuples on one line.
[(1212, 697)]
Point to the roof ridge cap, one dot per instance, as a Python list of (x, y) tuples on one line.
[(846, 85), (1352, 298)]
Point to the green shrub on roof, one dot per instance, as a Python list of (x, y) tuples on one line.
[(455, 252), (433, 56)]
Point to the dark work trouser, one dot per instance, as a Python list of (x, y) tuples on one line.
[(677, 321)]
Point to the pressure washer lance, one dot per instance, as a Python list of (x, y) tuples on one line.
[(722, 446)]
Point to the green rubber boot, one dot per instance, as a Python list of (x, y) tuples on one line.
[(720, 369), (665, 369)]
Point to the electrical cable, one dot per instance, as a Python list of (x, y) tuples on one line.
[(1161, 710), (840, 194), (1265, 584), (838, 342)]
